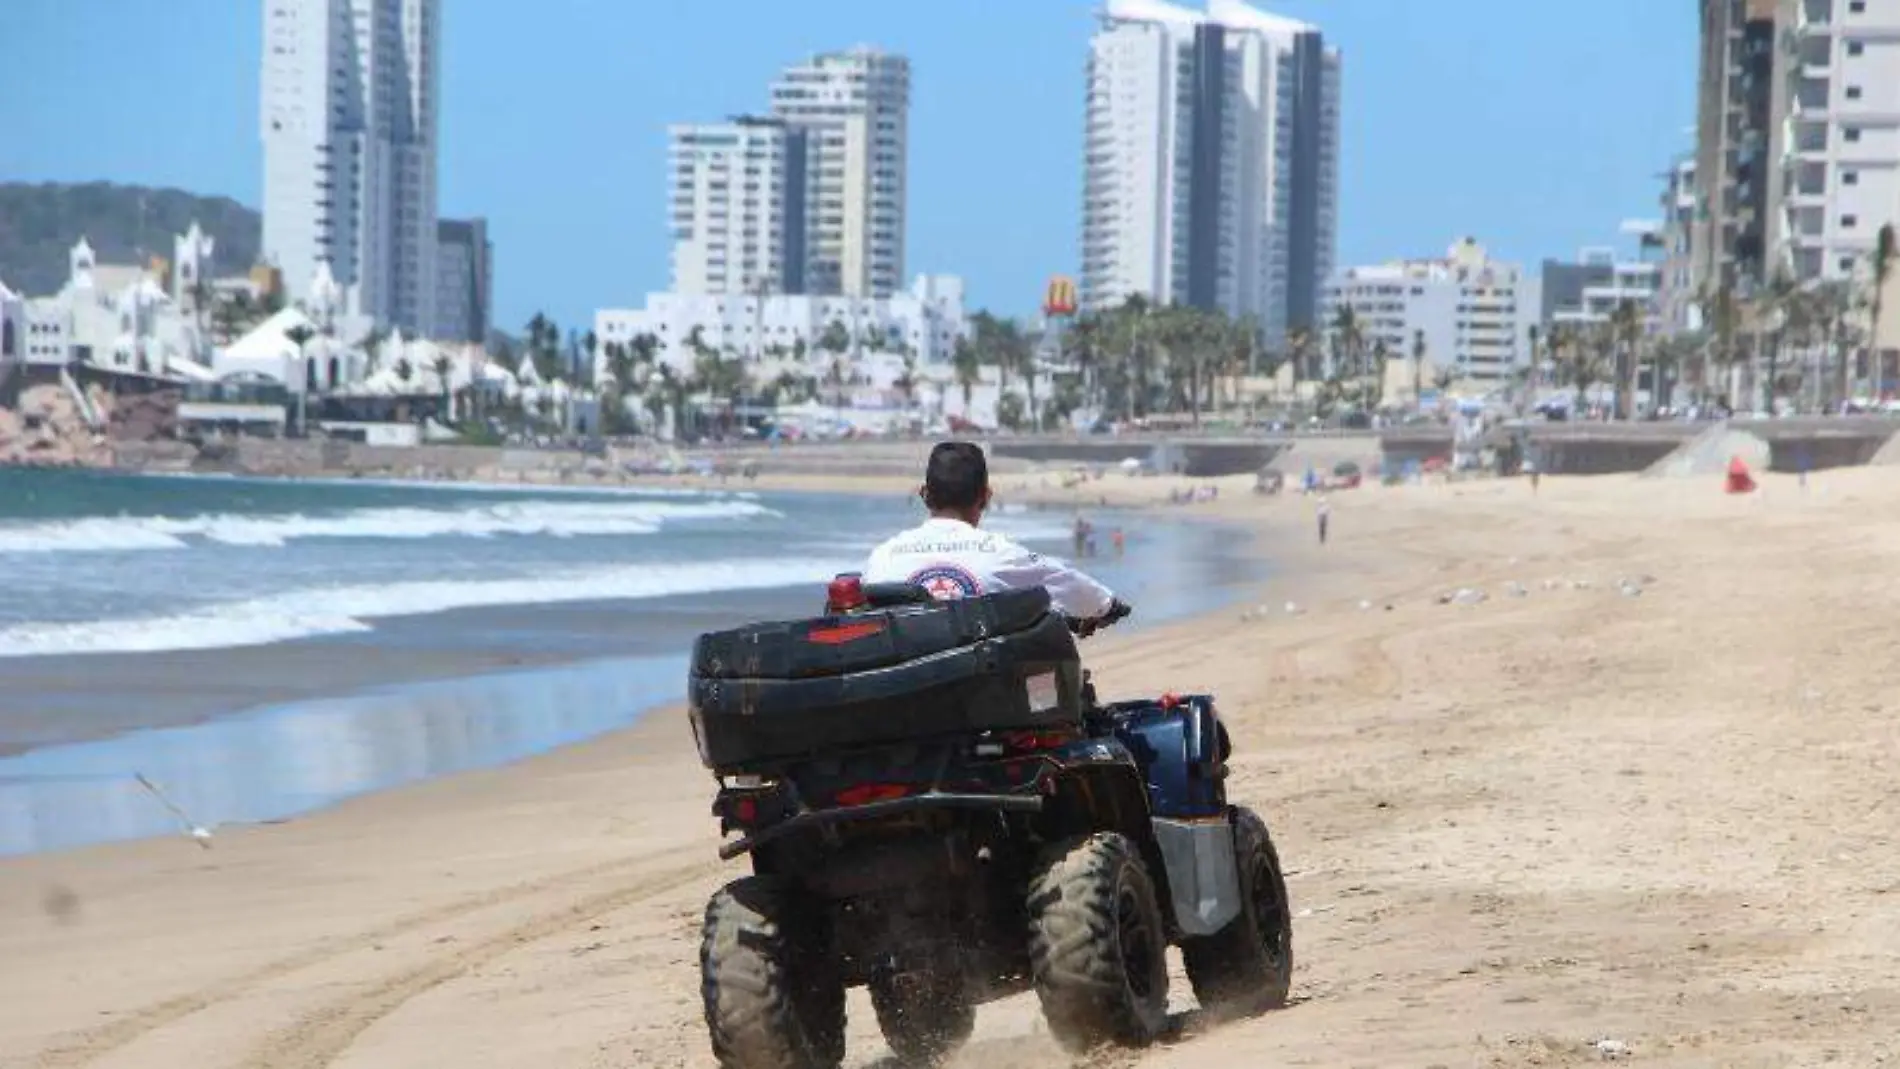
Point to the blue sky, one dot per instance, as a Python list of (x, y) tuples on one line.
[(1535, 125)]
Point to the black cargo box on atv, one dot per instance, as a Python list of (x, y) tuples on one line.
[(769, 694)]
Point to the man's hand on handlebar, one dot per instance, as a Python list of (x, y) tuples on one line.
[(1118, 610)]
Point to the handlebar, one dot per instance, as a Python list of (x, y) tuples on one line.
[(1117, 612)]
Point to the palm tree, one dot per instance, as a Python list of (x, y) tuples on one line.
[(1773, 313), (1674, 356), (1375, 387), (967, 365), (836, 338), (1723, 315), (1573, 361), (298, 335), (1418, 371), (1084, 342), (442, 365), (1299, 351), (1833, 302), (1348, 340), (1626, 328), (1132, 331), (544, 347), (1021, 351), (906, 383), (1883, 268)]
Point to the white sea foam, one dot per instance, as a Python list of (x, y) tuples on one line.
[(564, 519), (341, 610)]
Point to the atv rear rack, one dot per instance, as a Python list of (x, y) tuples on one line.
[(812, 818)]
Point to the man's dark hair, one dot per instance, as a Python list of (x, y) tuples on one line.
[(956, 476)]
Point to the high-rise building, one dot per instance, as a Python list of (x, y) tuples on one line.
[(464, 280), (1735, 116), (1211, 161), (1475, 313), (855, 109), (348, 119), (1678, 304), (1837, 138), (738, 207)]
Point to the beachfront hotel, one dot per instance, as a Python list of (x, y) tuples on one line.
[(1211, 154), (348, 116), (1474, 313), (738, 206), (854, 107), (809, 199)]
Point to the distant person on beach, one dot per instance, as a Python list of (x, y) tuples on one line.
[(1081, 536), (1116, 538), (1324, 513), (1530, 469)]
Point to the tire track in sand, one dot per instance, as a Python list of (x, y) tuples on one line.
[(88, 1045), (321, 1036)]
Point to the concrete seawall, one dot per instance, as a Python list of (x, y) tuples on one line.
[(1816, 443)]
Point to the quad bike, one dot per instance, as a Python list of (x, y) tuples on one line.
[(937, 808)]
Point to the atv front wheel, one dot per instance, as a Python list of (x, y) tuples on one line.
[(1097, 947), (773, 996), (1247, 966), (924, 1016)]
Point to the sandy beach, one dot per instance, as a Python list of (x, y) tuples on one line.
[(1641, 793)]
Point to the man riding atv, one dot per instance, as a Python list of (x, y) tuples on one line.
[(937, 809), (951, 558)]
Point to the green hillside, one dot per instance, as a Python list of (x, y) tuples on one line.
[(126, 224)]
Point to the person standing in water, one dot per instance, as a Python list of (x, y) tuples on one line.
[(1324, 513)]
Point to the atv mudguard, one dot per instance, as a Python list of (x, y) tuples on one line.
[(1181, 748)]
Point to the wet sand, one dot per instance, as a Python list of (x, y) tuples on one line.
[(1515, 828)]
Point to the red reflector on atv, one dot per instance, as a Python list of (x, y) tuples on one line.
[(843, 633), (866, 793)]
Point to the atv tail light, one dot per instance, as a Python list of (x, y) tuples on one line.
[(745, 810), (845, 593), (1034, 741), (866, 793)]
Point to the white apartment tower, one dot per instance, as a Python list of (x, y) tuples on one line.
[(1839, 141), (348, 117), (1211, 161), (738, 202), (855, 107)]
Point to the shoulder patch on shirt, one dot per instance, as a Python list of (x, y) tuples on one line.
[(947, 582)]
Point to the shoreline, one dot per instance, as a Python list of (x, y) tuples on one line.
[(486, 686)]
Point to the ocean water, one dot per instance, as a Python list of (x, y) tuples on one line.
[(261, 648)]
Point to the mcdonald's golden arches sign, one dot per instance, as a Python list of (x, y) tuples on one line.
[(1059, 298)]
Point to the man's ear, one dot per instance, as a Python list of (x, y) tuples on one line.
[(923, 494)]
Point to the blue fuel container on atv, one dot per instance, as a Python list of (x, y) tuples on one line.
[(1182, 747)]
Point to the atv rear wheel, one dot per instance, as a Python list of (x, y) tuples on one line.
[(924, 1016), (1247, 967), (774, 999), (1097, 946)]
